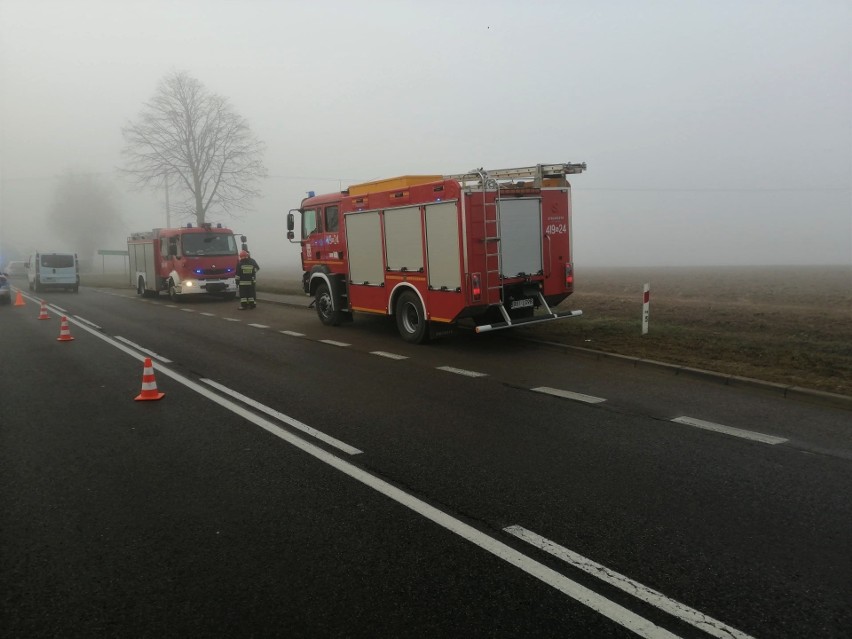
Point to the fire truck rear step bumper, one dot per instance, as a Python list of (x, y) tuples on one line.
[(497, 326)]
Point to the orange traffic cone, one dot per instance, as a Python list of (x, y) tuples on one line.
[(149, 384), (19, 300), (43, 314), (64, 331)]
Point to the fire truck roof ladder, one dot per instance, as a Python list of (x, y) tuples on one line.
[(538, 173)]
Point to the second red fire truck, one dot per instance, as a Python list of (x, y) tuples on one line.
[(491, 249), (189, 260)]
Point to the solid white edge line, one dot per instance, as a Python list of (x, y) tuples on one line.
[(730, 430), (583, 595), (589, 399), (644, 593), (461, 371), (331, 441)]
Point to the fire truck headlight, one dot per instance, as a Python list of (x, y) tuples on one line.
[(189, 283)]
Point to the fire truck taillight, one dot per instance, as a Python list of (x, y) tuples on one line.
[(569, 276), (476, 286)]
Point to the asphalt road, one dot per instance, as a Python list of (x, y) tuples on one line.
[(480, 486)]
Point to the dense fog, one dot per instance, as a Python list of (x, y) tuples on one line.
[(715, 133)]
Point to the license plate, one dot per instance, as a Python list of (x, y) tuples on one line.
[(524, 303)]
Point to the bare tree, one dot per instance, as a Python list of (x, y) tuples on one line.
[(189, 138)]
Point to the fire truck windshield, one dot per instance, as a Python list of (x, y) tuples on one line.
[(209, 244)]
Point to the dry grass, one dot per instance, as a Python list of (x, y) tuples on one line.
[(786, 325), (790, 325)]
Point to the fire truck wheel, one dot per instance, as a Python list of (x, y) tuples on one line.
[(410, 318), (173, 294), (325, 313)]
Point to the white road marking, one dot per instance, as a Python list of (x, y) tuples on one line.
[(58, 308), (461, 371), (153, 355), (188, 310), (331, 441), (208, 314), (172, 306), (729, 430), (258, 325), (292, 333), (92, 324), (578, 592), (648, 595), (589, 399), (333, 343), (231, 319), (388, 355)]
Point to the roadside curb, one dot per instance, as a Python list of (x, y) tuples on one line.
[(784, 390)]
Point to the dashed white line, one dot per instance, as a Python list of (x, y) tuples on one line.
[(208, 314), (231, 319), (644, 593), (333, 343), (579, 397), (729, 430), (292, 333), (461, 371), (388, 355), (143, 350), (188, 310), (83, 319), (258, 325)]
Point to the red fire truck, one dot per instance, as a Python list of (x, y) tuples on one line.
[(184, 261), (488, 249)]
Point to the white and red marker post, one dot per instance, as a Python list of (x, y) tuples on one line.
[(646, 309)]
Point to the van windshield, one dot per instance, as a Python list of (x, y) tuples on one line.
[(209, 244), (57, 261)]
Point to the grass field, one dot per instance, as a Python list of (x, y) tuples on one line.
[(790, 325)]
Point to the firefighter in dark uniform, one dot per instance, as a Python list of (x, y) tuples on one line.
[(247, 270)]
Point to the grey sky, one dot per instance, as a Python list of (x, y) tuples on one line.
[(715, 132)]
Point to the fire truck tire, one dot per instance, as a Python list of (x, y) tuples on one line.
[(173, 294), (323, 303), (410, 319)]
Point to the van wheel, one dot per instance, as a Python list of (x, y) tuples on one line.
[(323, 303), (410, 319), (173, 294)]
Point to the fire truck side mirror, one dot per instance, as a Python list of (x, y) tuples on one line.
[(291, 224)]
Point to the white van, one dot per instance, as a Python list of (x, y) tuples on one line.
[(53, 270)]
